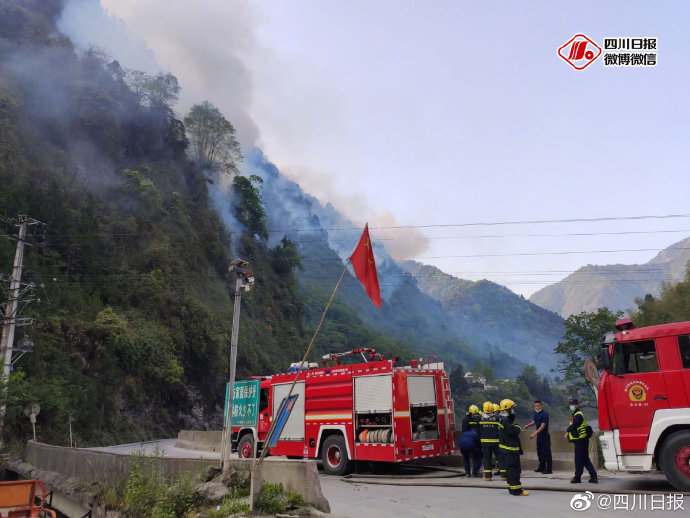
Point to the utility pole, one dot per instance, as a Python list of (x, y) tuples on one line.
[(11, 319), (244, 281)]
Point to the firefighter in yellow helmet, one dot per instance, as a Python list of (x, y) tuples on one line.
[(501, 468), (509, 434), (471, 419), (488, 434)]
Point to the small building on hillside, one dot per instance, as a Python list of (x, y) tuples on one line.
[(475, 380)]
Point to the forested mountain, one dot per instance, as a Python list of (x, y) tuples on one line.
[(490, 313), (132, 328), (615, 286), (133, 300)]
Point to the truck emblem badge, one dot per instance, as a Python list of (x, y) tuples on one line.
[(637, 393)]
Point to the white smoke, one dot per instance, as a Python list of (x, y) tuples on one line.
[(87, 24)]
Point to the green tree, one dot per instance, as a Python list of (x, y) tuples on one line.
[(581, 340), (212, 138), (159, 90), (673, 305), (249, 208), (457, 381)]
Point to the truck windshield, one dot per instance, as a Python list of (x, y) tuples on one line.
[(634, 357)]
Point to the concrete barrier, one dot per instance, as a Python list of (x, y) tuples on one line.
[(200, 440), (107, 468), (299, 476), (102, 467)]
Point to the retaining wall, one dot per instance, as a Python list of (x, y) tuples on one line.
[(106, 468)]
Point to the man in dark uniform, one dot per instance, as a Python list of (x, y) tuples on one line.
[(509, 434), (470, 447), (540, 420), (488, 433), (577, 434), (471, 419)]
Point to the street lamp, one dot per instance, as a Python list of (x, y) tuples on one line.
[(244, 282)]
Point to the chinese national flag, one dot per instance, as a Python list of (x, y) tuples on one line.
[(365, 268)]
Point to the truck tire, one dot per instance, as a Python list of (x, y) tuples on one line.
[(675, 459), (245, 448), (334, 456)]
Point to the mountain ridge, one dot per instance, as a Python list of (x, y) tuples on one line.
[(615, 286)]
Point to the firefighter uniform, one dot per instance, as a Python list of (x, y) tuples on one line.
[(577, 434), (471, 419), (488, 434), (509, 434)]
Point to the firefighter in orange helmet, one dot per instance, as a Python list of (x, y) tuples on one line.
[(509, 434)]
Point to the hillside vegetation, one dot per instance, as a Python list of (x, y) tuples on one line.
[(133, 324)]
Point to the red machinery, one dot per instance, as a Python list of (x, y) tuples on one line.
[(644, 400), (372, 410), (23, 499)]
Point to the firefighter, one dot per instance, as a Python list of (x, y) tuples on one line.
[(577, 434), (488, 433), (540, 420), (509, 434), (501, 469), (471, 419)]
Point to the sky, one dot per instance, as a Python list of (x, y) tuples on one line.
[(455, 120)]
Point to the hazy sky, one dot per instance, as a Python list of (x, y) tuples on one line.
[(423, 113)]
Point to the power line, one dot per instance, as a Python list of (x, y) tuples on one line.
[(517, 254), (493, 223), (432, 238)]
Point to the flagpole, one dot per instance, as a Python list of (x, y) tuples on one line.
[(264, 450)]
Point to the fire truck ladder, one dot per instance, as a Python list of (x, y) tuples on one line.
[(450, 409)]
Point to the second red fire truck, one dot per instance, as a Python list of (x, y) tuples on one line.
[(373, 410), (644, 400)]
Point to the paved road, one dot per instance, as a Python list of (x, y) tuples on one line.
[(458, 496), (358, 500)]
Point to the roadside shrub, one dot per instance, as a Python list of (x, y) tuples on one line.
[(148, 494), (273, 499)]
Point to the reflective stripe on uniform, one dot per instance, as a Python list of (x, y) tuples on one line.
[(515, 487), (511, 448), (488, 422), (489, 440)]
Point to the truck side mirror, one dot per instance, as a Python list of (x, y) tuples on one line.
[(604, 359)]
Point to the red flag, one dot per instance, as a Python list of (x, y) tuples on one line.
[(365, 268)]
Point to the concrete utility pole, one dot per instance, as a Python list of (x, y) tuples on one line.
[(11, 319), (244, 281)]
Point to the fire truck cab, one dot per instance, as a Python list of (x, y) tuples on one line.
[(644, 400), (373, 411)]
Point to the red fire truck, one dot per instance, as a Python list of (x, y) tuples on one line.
[(373, 410), (644, 400)]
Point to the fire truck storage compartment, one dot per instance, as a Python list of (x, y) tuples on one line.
[(373, 408), (423, 409), (294, 427)]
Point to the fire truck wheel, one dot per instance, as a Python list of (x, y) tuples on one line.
[(245, 448), (334, 456), (675, 459)]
